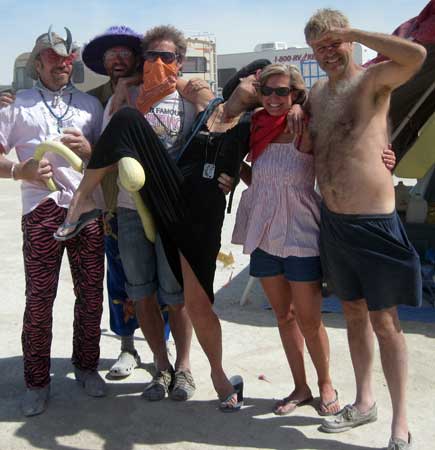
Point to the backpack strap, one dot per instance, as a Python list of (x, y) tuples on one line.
[(199, 122)]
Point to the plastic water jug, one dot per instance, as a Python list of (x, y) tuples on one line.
[(417, 209)]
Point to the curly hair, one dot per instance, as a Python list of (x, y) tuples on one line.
[(296, 81), (166, 33), (322, 21)]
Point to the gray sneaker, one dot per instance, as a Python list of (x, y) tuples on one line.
[(400, 444), (184, 386), (91, 382), (160, 385), (349, 417), (35, 401)]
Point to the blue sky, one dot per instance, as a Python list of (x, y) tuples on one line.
[(237, 25)]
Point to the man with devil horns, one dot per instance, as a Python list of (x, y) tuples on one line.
[(54, 110)]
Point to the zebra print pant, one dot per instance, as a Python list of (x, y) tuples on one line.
[(42, 261)]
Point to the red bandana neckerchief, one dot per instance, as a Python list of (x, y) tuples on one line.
[(264, 130)]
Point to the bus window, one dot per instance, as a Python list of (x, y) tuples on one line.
[(78, 75), (311, 72), (195, 64), (224, 75)]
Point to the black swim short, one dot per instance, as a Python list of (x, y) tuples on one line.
[(369, 256)]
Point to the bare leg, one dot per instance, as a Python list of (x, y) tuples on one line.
[(394, 359), (278, 293), (181, 328), (307, 300), (82, 199), (207, 328), (361, 344), (151, 323)]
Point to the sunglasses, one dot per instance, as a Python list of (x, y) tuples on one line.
[(53, 57), (113, 54), (279, 91), (166, 57)]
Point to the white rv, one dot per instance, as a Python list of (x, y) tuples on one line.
[(301, 57), (200, 62)]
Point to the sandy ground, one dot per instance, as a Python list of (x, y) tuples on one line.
[(123, 421)]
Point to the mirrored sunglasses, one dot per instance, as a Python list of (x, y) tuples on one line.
[(53, 57), (113, 54)]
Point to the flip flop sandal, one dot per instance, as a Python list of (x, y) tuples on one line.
[(227, 405), (77, 226), (323, 405), (286, 401)]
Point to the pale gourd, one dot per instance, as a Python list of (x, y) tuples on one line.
[(61, 150), (132, 179)]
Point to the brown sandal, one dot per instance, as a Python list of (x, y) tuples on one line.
[(325, 406)]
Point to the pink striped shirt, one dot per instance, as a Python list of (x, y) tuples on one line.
[(280, 210)]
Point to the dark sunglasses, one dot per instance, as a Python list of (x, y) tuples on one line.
[(166, 57), (279, 91)]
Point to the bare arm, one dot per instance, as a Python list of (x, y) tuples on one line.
[(5, 165), (120, 94), (30, 170), (406, 57), (196, 91), (246, 173)]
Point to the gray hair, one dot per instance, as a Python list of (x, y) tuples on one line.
[(322, 21)]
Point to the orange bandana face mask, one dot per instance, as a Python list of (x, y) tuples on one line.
[(159, 80)]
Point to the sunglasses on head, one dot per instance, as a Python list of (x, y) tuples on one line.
[(166, 57), (113, 54), (279, 91)]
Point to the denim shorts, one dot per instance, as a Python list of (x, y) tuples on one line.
[(294, 268), (145, 264)]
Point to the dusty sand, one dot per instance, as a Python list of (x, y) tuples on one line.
[(123, 421)]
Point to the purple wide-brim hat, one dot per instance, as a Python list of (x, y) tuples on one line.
[(93, 52)]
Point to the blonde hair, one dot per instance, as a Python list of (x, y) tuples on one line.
[(296, 80), (322, 21)]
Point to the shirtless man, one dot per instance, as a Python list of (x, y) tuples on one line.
[(366, 256)]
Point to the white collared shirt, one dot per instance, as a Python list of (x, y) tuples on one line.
[(28, 122)]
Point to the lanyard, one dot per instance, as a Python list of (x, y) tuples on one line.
[(58, 118)]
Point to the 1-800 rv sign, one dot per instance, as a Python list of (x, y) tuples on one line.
[(293, 58)]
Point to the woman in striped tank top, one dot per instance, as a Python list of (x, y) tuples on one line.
[(278, 224)]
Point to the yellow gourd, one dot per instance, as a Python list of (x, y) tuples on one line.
[(132, 179), (61, 150)]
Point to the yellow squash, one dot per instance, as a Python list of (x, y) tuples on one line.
[(61, 150), (132, 178)]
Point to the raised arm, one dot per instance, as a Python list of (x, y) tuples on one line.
[(196, 91), (406, 57)]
